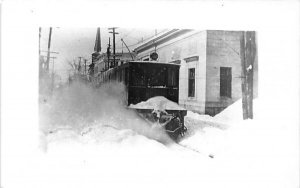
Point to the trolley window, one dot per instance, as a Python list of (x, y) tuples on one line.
[(157, 76), (172, 77), (137, 76)]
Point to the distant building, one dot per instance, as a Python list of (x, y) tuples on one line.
[(210, 72), (101, 63), (104, 61)]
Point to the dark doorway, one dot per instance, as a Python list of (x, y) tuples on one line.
[(225, 81)]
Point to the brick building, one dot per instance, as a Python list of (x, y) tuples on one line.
[(210, 72)]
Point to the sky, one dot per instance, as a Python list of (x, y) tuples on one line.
[(72, 43)]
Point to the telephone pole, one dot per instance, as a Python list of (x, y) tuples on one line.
[(52, 77), (85, 66), (49, 44), (40, 34), (114, 43), (247, 54), (108, 53), (79, 66), (49, 61), (40, 61)]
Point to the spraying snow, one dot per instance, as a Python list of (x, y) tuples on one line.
[(79, 109)]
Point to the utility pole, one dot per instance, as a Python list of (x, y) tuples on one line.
[(79, 67), (52, 83), (108, 53), (40, 34), (47, 57), (85, 66), (40, 61), (49, 44), (114, 43), (53, 64), (247, 54)]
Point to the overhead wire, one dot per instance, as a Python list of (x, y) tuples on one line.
[(143, 39)]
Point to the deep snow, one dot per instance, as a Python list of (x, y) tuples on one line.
[(89, 139)]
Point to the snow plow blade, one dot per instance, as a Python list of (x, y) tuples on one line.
[(171, 120)]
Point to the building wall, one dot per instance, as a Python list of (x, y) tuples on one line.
[(223, 48), (214, 49), (191, 44)]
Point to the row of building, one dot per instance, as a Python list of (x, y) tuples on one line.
[(210, 65)]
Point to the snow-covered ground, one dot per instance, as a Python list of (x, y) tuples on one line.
[(89, 139), (260, 152)]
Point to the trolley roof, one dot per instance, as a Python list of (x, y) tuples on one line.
[(154, 62)]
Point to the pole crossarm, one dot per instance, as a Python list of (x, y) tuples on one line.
[(51, 52)]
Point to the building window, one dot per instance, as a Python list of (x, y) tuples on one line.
[(225, 81), (191, 86)]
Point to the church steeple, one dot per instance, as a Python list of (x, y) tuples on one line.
[(97, 47)]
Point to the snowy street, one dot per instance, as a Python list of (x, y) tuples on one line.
[(115, 147)]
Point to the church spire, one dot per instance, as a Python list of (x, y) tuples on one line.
[(97, 47)]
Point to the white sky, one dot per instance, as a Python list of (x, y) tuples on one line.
[(74, 42)]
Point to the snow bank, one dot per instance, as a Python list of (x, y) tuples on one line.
[(157, 103), (210, 135), (234, 112), (263, 151), (206, 120)]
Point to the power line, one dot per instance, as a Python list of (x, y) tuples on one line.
[(127, 48), (143, 39), (128, 33)]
